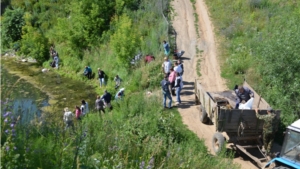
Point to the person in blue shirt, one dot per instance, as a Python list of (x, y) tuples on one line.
[(166, 48), (88, 72), (165, 84), (56, 60)]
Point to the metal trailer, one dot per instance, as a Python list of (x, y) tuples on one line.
[(240, 127)]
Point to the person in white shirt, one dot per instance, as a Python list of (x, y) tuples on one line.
[(84, 107), (166, 66), (178, 68), (68, 118)]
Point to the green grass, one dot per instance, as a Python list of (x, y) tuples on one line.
[(137, 131)]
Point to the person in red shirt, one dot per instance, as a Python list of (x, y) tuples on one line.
[(149, 58), (77, 113)]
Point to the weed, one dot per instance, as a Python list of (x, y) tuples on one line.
[(198, 67)]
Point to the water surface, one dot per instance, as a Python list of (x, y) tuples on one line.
[(34, 92)]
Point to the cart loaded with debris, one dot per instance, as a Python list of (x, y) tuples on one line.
[(238, 126)]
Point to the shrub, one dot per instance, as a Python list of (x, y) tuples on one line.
[(12, 26), (34, 43)]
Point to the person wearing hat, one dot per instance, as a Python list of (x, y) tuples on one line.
[(68, 118), (120, 94), (166, 66), (166, 91), (268, 128)]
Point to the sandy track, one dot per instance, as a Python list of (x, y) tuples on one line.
[(210, 69)]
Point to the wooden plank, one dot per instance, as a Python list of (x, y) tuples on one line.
[(263, 159), (229, 116), (257, 160), (204, 97), (247, 126), (263, 104), (234, 117), (247, 138), (206, 102), (249, 147)]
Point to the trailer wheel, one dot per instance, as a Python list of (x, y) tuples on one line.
[(218, 142), (203, 115)]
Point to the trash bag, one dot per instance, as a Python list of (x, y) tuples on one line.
[(247, 105)]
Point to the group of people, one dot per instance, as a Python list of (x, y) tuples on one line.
[(79, 112), (173, 80), (101, 76), (101, 103), (172, 83)]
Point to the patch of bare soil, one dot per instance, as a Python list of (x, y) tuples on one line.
[(211, 75)]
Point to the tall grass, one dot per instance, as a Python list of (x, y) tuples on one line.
[(136, 134)]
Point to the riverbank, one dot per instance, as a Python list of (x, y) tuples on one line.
[(62, 91), (137, 132)]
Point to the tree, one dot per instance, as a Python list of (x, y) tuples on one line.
[(125, 42), (12, 26), (33, 42), (84, 25)]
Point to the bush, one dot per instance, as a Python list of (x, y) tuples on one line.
[(12, 26)]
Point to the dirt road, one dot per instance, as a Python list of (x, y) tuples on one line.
[(210, 69)]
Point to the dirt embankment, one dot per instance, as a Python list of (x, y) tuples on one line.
[(184, 25)]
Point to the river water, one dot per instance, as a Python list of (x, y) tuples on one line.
[(24, 99), (33, 93)]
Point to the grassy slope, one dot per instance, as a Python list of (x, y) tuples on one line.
[(137, 133)]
